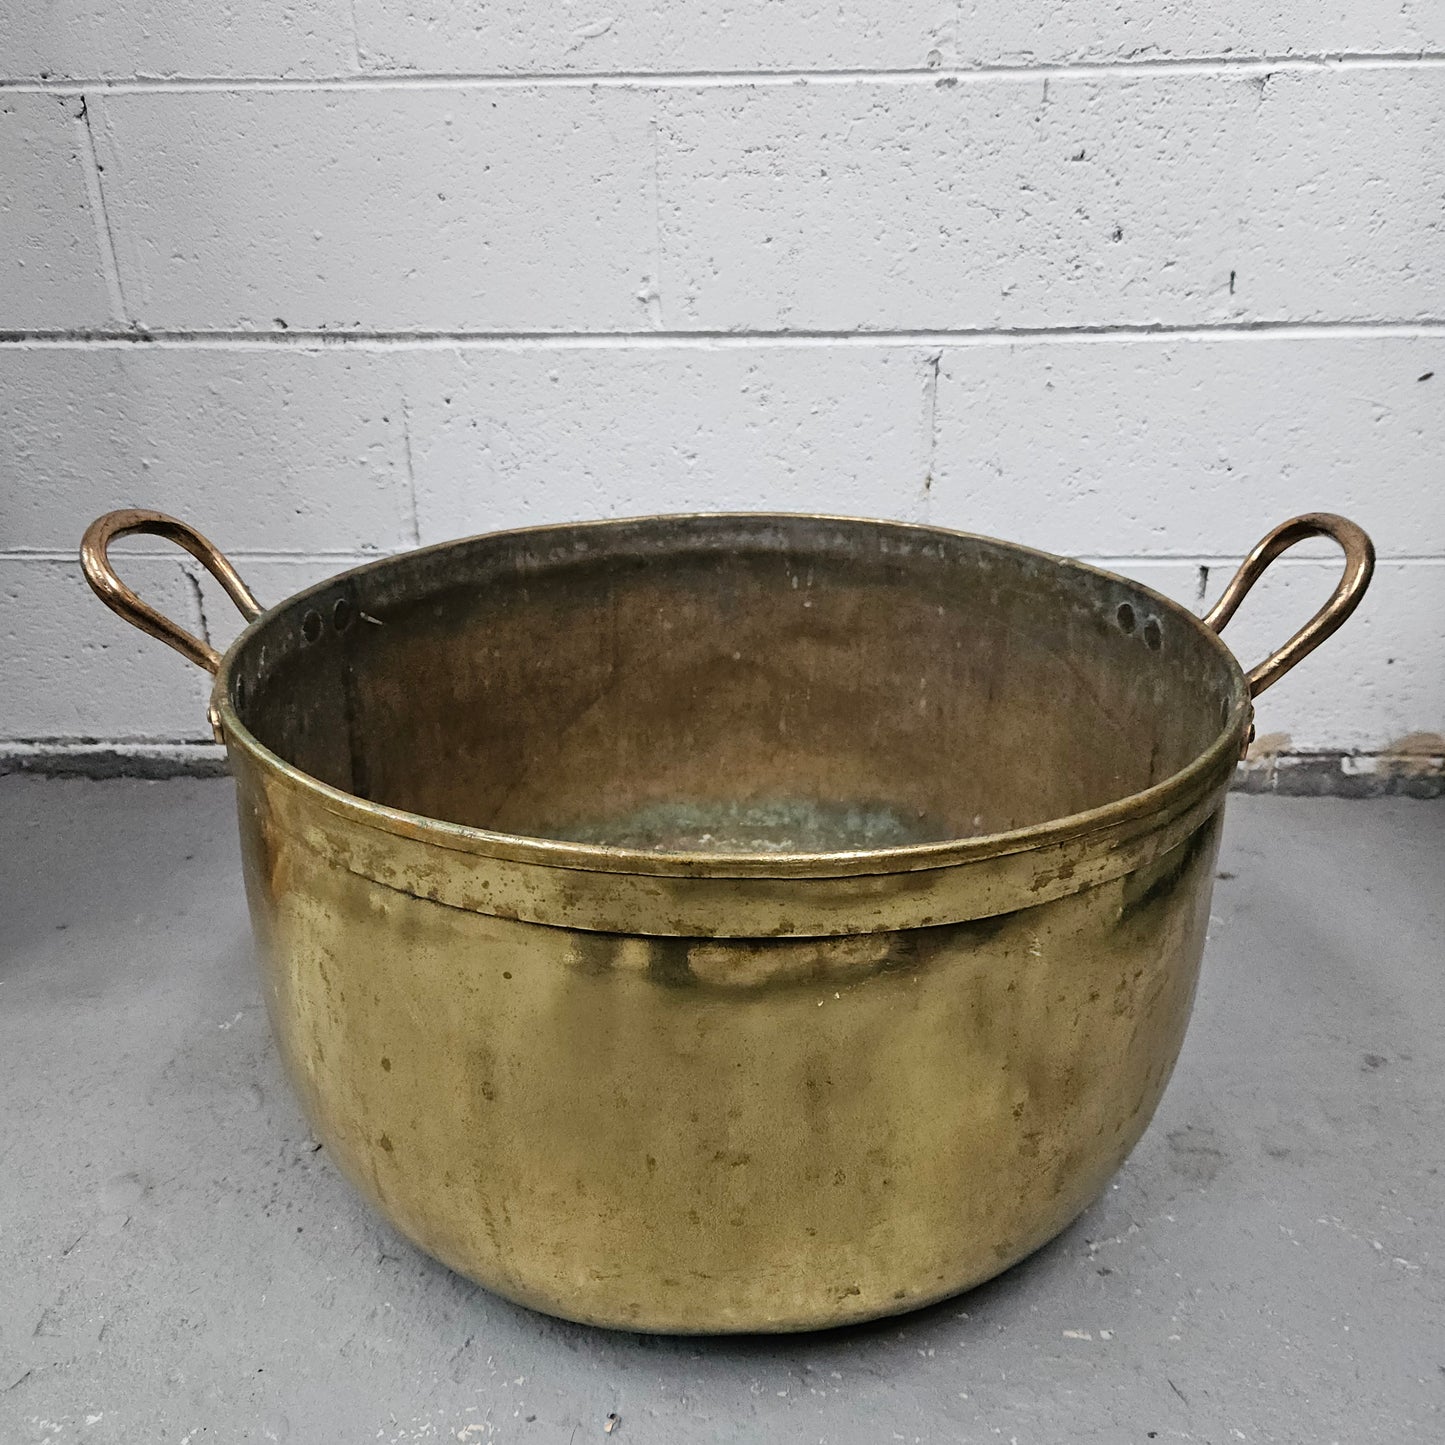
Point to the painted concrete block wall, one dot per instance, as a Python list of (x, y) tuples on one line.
[(52, 256), (1123, 282)]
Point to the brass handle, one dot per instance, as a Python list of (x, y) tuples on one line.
[(1359, 566), (121, 600)]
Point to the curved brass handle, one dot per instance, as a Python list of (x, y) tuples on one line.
[(1359, 566), (121, 600)]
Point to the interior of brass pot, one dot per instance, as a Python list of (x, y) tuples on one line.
[(739, 684)]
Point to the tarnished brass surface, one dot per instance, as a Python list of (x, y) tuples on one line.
[(685, 1134), (731, 923)]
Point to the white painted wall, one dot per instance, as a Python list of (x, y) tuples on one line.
[(1125, 282)]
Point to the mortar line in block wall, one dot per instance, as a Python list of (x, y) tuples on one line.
[(95, 196), (52, 556), (1352, 772), (1113, 68), (1312, 557), (417, 340), (412, 519), (357, 58), (933, 365), (71, 556)]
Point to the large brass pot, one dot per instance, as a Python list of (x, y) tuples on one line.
[(729, 922)]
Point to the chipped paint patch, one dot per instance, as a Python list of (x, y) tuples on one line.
[(1268, 745), (1416, 755), (1408, 768)]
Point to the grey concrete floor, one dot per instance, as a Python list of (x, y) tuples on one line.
[(178, 1262)]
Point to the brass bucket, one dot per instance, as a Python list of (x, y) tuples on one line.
[(719, 923)]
